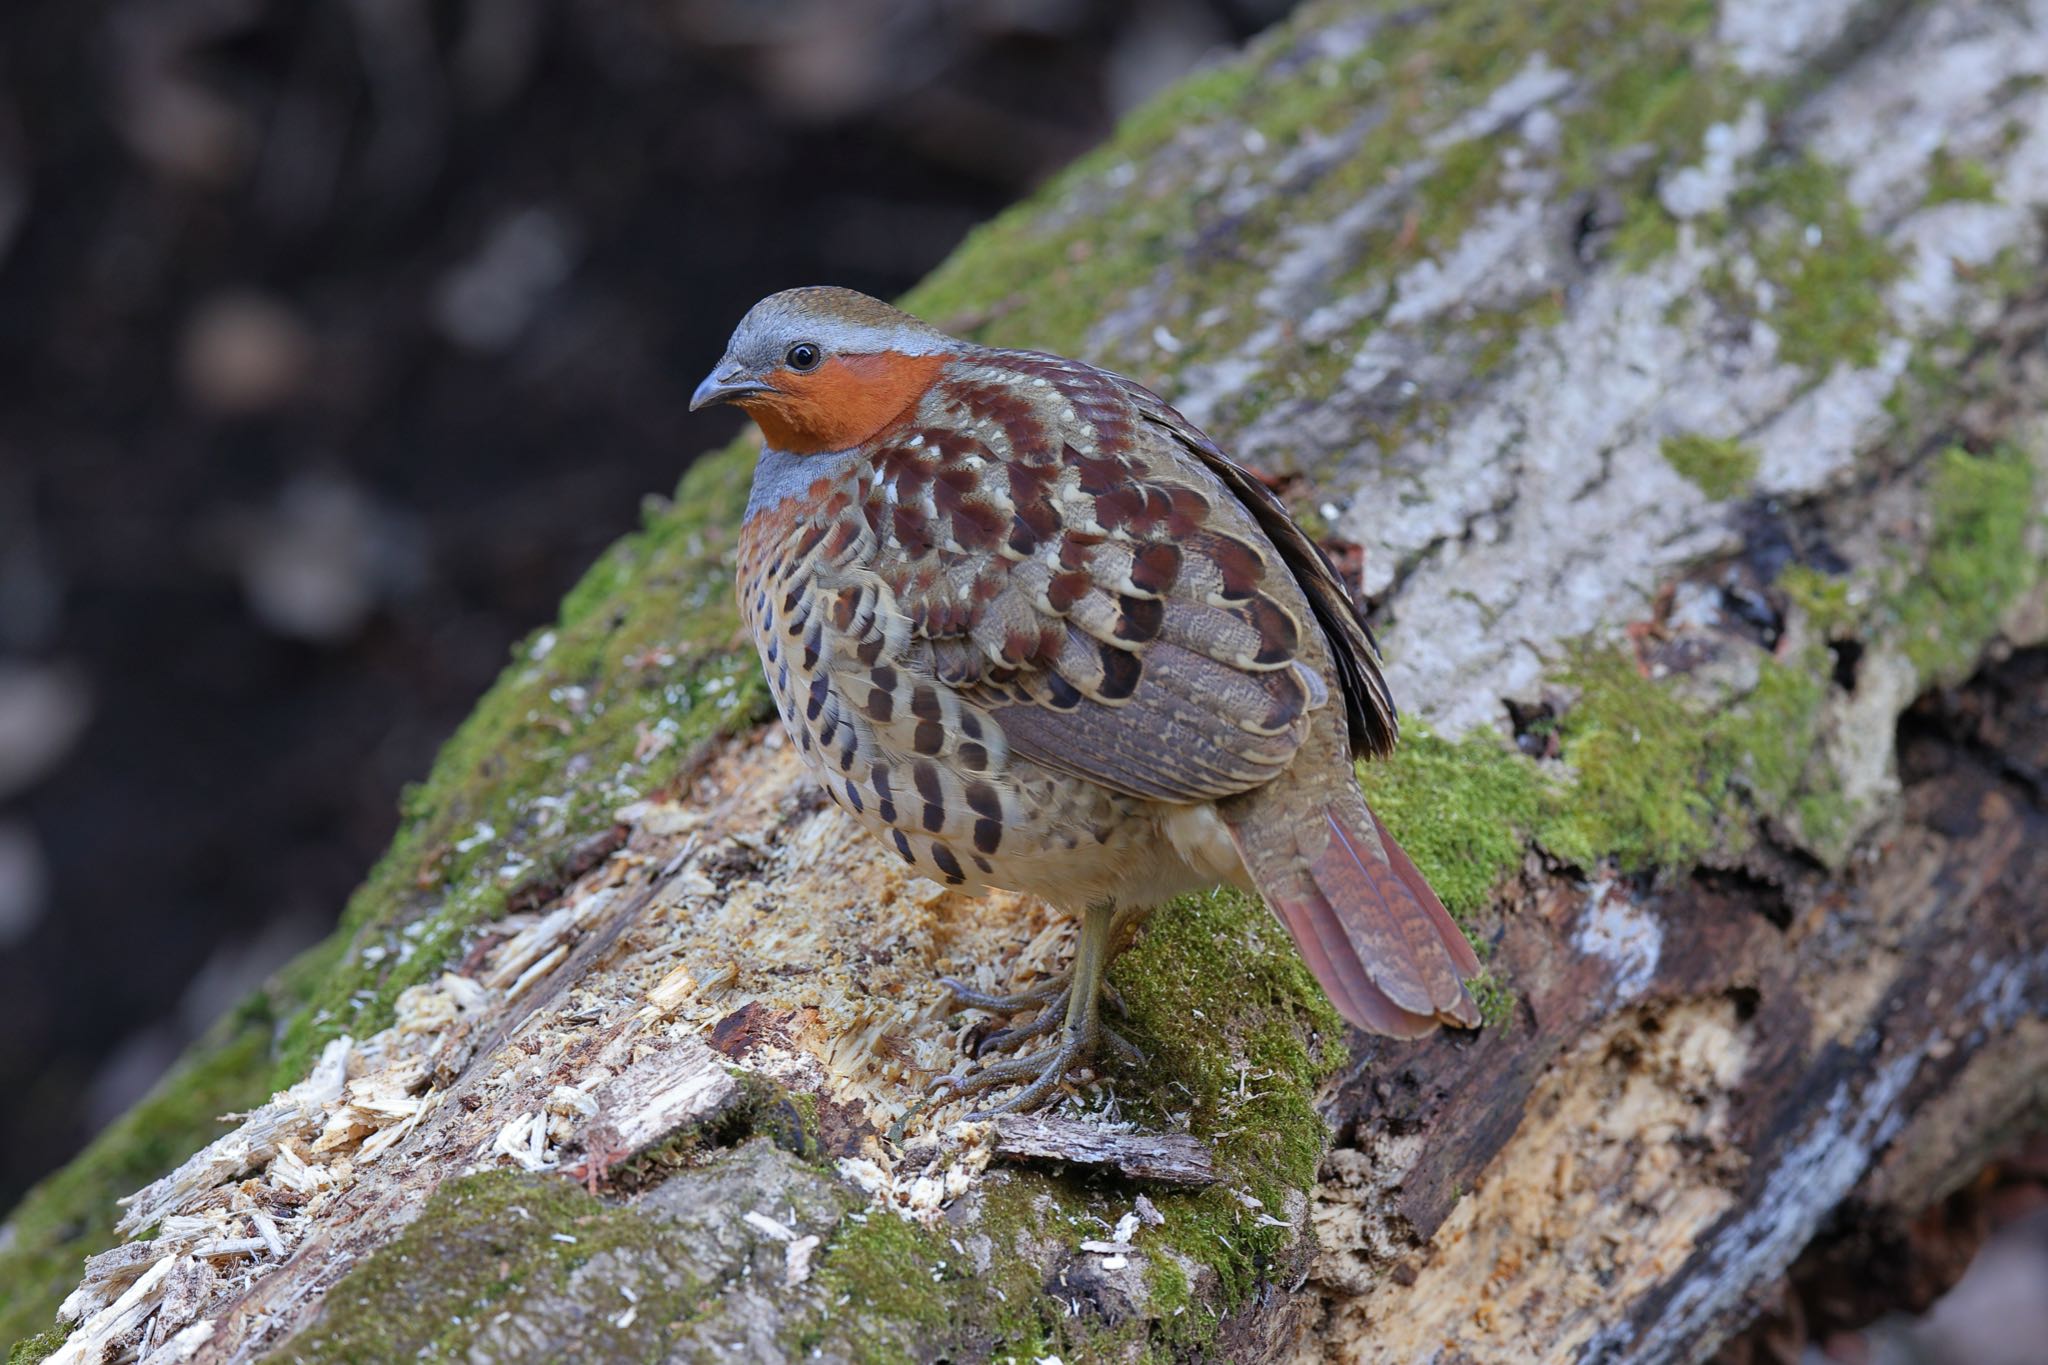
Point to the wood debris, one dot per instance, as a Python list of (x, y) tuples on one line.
[(796, 1260), (1169, 1158), (101, 1334), (508, 1061), (290, 1113), (926, 1179)]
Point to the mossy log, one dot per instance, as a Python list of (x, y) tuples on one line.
[(1672, 373)]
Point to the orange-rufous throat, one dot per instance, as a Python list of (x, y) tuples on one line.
[(842, 403)]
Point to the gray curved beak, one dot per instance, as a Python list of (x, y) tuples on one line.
[(722, 385)]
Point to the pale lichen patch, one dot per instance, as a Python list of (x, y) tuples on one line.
[(1765, 38), (1625, 935)]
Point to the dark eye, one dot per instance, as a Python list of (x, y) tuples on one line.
[(804, 356)]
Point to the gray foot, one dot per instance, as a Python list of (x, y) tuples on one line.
[(1069, 1005)]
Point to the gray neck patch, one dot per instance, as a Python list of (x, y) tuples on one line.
[(779, 475)]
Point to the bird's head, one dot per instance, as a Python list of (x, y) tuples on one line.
[(825, 368)]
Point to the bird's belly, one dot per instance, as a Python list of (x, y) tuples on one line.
[(1071, 843)]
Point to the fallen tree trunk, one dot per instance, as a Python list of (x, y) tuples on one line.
[(1674, 376)]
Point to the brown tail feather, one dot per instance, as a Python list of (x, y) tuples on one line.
[(1367, 924), (1320, 937), (1447, 928)]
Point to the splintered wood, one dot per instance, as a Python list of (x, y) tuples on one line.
[(740, 929)]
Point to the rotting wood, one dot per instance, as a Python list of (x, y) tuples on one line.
[(1169, 1158), (1674, 1148)]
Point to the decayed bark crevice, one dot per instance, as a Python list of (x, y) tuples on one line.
[(1851, 1065), (1729, 481)]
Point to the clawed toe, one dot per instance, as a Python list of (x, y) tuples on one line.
[(1048, 998), (1045, 1070), (1045, 993), (1125, 1050), (1008, 1039)]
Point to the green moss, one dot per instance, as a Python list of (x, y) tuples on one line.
[(1168, 1284), (894, 1273), (1719, 468), (890, 1291), (1466, 179), (1495, 998), (1979, 560), (1822, 597), (1237, 1037), (39, 1347), (1658, 96), (1646, 791), (1825, 270), (1463, 809), (71, 1214), (1647, 233), (1824, 818), (1213, 989), (1654, 108), (1042, 275), (494, 1242), (1952, 178), (1939, 369), (1767, 739), (1661, 779), (574, 1277), (1658, 779), (2012, 273)]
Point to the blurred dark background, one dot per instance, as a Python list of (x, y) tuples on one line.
[(335, 340)]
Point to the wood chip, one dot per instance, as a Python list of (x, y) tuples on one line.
[(553, 959), (682, 1083), (107, 1276), (267, 1230), (250, 1147), (769, 1227), (95, 1338), (1169, 1158), (673, 991), (796, 1260)]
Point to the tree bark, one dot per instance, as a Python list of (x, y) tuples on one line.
[(1674, 376)]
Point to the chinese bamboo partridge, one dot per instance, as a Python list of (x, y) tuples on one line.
[(1036, 631)]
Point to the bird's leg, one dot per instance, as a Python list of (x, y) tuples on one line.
[(1049, 998), (1079, 1034)]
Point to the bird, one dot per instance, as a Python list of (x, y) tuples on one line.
[(1036, 631)]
